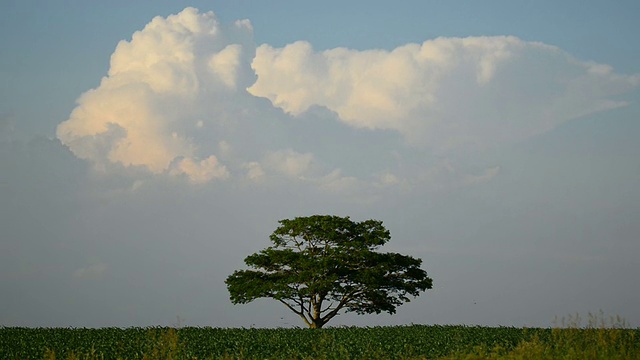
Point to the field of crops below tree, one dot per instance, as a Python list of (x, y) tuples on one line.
[(572, 341)]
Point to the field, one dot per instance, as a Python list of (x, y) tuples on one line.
[(399, 342)]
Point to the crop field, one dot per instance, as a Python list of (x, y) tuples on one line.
[(400, 342)]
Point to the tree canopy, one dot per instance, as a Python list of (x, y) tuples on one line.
[(322, 264)]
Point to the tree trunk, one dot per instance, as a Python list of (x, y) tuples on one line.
[(316, 324), (316, 318)]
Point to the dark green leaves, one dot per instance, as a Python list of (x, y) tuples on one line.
[(324, 230), (321, 264)]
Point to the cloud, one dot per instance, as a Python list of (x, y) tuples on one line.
[(148, 111), (202, 171), (442, 94), (254, 171), (225, 65), (190, 97), (290, 163)]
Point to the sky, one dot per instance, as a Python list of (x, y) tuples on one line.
[(147, 148)]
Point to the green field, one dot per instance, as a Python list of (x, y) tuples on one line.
[(399, 342)]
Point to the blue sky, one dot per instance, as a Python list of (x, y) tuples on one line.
[(497, 140)]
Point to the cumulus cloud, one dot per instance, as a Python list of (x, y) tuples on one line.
[(148, 110), (254, 171), (186, 97), (200, 171), (225, 65), (443, 93)]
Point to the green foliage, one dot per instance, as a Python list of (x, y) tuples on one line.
[(399, 342), (598, 340), (319, 265)]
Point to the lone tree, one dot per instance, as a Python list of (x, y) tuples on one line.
[(319, 265)]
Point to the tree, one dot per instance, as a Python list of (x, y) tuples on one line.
[(321, 264)]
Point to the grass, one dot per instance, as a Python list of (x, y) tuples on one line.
[(600, 338)]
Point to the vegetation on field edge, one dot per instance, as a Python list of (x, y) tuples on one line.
[(567, 340)]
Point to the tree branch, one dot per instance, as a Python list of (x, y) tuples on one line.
[(290, 307), (299, 313), (327, 308), (345, 299)]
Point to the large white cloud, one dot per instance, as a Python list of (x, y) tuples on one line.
[(166, 88), (443, 93), (185, 97)]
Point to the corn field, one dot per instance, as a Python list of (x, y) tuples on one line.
[(399, 342)]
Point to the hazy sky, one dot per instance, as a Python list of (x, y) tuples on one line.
[(146, 148)]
